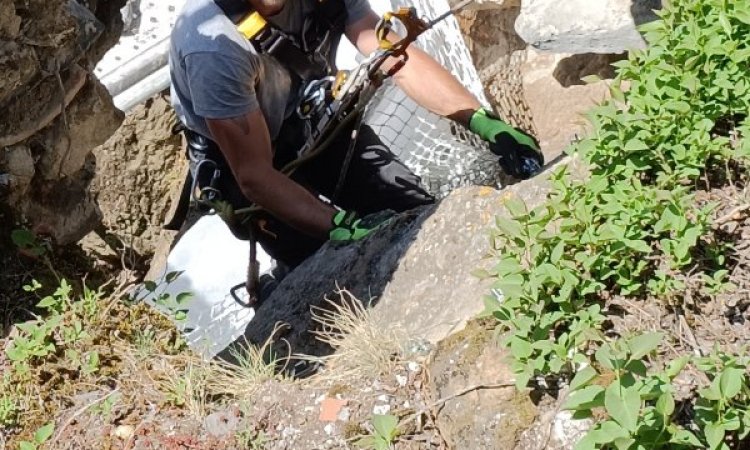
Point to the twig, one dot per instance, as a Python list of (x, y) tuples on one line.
[(731, 215), (689, 332), (463, 392), (81, 411), (460, 393)]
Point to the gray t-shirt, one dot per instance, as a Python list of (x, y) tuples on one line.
[(217, 74)]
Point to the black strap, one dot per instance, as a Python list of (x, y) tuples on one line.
[(234, 9), (330, 18)]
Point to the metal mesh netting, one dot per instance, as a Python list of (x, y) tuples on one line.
[(442, 153)]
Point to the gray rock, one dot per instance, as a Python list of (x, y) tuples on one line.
[(585, 26), (221, 424), (415, 273)]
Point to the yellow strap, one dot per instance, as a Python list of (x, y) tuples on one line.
[(252, 25)]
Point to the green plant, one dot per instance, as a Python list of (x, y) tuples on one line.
[(29, 242), (40, 437), (385, 433), (639, 406), (157, 292), (8, 411), (632, 228), (722, 411), (177, 391), (106, 407)]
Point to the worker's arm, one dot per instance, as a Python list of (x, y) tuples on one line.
[(246, 145), (422, 78)]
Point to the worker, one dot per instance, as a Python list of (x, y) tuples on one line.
[(238, 99)]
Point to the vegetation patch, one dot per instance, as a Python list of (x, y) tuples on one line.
[(657, 230)]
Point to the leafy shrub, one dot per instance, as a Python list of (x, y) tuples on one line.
[(633, 225)]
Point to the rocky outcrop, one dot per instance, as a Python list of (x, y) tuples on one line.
[(54, 111), (585, 26), (415, 273)]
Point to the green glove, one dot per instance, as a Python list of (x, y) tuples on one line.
[(347, 227), (519, 152)]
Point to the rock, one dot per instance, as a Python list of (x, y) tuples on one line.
[(554, 429), (19, 164), (221, 424), (55, 112), (416, 273), (63, 209), (480, 407), (18, 65), (10, 23), (558, 111), (140, 170), (91, 120), (124, 432), (585, 26)]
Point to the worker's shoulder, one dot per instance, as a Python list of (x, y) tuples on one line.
[(202, 27)]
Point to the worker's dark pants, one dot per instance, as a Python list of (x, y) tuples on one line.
[(376, 180)]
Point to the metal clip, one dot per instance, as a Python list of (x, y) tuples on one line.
[(314, 97), (206, 195)]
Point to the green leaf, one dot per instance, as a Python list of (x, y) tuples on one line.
[(623, 405), (47, 302), (511, 286), (644, 344), (183, 297), (521, 349), (24, 445), (676, 366), (172, 276), (638, 245), (665, 405), (149, 285), (44, 433), (385, 425), (582, 378), (685, 437), (509, 227), (714, 435), (636, 145), (731, 381), (586, 398)]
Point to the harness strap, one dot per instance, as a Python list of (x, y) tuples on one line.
[(301, 56)]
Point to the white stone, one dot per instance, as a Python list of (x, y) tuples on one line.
[(584, 26)]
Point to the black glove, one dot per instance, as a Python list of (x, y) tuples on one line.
[(519, 152)]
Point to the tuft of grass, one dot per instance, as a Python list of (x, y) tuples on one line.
[(363, 346)]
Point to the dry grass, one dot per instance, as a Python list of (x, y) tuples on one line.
[(363, 346)]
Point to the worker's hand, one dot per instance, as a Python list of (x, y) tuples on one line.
[(519, 152), (348, 227)]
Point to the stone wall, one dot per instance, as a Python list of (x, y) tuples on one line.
[(54, 112)]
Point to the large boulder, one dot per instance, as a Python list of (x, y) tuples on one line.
[(585, 26), (415, 273)]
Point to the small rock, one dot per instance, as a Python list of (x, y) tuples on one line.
[(401, 380), (221, 424), (124, 432), (381, 409), (328, 429), (344, 415)]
